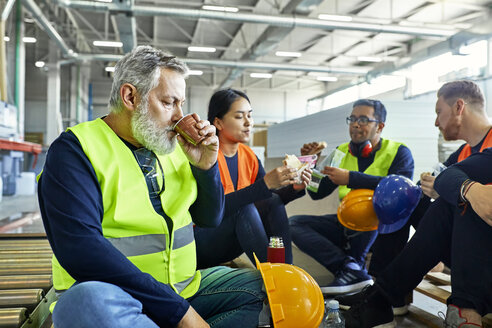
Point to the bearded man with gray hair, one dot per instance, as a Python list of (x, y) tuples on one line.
[(119, 199)]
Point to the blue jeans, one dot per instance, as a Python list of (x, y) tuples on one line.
[(330, 243), (226, 298), (248, 230)]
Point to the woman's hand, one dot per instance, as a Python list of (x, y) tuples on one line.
[(305, 179), (280, 177)]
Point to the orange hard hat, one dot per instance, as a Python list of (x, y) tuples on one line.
[(356, 211), (294, 296)]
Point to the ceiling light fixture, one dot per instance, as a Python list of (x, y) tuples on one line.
[(6, 39), (327, 78), (195, 72), (221, 8), (39, 63), (28, 39), (261, 75), (105, 1), (201, 49), (369, 59), (109, 68), (111, 44), (288, 54), (339, 18)]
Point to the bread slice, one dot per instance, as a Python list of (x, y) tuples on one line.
[(294, 162), (321, 145)]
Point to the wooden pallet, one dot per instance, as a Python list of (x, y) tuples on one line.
[(437, 286)]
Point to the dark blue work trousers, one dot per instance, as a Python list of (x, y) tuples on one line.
[(247, 230), (328, 242)]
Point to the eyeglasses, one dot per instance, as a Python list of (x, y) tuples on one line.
[(362, 120), (146, 159)]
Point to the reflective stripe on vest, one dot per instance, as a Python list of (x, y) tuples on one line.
[(379, 167), (148, 244), (130, 222), (180, 286), (140, 245), (183, 236), (247, 169), (466, 151)]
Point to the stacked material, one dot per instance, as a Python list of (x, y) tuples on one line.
[(25, 281)]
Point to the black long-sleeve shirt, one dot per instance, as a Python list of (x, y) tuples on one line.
[(477, 167), (254, 192)]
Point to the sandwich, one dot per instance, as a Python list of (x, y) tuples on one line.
[(321, 145), (293, 162)]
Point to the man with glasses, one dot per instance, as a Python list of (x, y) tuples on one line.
[(368, 158), (454, 229), (119, 198)]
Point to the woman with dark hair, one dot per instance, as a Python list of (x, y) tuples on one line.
[(254, 207)]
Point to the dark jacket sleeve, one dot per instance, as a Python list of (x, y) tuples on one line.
[(72, 210), (252, 193), (208, 209), (402, 164), (326, 187), (476, 167), (288, 194)]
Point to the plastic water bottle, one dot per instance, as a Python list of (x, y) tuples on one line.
[(438, 168), (333, 318)]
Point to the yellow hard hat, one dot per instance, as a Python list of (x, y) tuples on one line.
[(295, 298), (356, 211)]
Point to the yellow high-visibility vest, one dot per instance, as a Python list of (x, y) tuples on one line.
[(379, 167), (130, 222)]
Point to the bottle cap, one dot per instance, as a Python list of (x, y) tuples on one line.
[(333, 305)]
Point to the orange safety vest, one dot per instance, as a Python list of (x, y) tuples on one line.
[(466, 151), (247, 168)]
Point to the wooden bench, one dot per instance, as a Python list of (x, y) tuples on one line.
[(437, 286)]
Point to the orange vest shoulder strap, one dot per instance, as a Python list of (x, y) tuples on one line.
[(466, 151), (247, 169)]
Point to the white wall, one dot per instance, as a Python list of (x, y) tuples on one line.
[(269, 106)]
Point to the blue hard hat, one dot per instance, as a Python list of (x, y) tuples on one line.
[(394, 200)]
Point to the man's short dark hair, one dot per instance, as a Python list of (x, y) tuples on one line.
[(379, 109), (464, 89)]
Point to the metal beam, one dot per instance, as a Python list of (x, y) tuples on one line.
[(126, 26), (453, 43), (7, 9), (3, 61), (271, 37), (126, 30), (242, 64), (38, 15), (288, 21)]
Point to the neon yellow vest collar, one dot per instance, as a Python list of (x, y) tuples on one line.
[(382, 161), (130, 222)]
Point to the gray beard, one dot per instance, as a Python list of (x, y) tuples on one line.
[(146, 131)]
